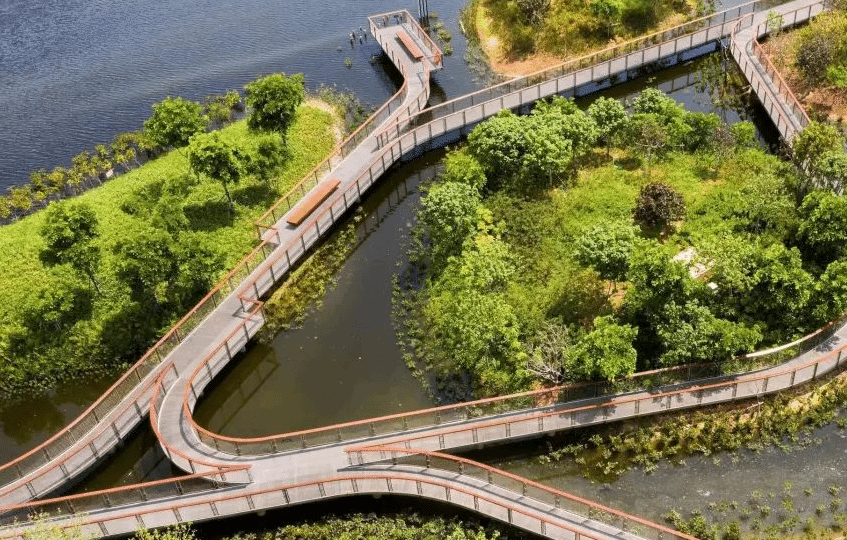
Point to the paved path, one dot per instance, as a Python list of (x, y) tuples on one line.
[(321, 455)]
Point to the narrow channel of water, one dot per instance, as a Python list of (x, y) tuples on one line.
[(343, 363)]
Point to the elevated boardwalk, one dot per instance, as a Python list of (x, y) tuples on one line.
[(779, 101), (232, 476)]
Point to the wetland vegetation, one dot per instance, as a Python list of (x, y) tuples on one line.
[(571, 245)]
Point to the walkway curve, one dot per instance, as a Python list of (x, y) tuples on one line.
[(229, 306), (311, 464)]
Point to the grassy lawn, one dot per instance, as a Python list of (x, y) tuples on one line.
[(26, 282)]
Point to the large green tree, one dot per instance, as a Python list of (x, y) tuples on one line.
[(606, 352), (70, 232), (174, 121), (692, 333), (658, 205), (273, 101), (823, 228), (499, 144), (209, 154), (461, 167), (448, 214), (610, 117), (829, 299), (607, 248), (809, 149), (147, 263)]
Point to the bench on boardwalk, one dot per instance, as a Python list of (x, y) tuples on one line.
[(409, 44), (312, 201)]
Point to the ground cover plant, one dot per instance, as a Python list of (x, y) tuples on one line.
[(93, 282), (549, 253), (813, 59)]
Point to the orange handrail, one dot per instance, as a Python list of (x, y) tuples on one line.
[(462, 462), (354, 479), (629, 46)]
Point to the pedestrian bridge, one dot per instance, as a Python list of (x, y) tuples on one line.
[(403, 453)]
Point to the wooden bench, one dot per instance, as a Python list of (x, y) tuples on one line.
[(314, 199), (409, 44)]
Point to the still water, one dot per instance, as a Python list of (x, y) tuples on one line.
[(73, 73), (343, 363), (803, 479)]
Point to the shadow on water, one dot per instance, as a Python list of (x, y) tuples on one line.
[(343, 363)]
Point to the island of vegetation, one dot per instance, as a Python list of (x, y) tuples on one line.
[(519, 37), (95, 280), (568, 245)]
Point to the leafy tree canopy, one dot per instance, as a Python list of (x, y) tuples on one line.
[(69, 232), (823, 229), (174, 122), (273, 101), (463, 168), (499, 144), (148, 265), (692, 333), (658, 205), (606, 352), (209, 154), (448, 214), (607, 248), (609, 116)]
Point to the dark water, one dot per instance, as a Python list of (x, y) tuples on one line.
[(343, 363), (74, 73)]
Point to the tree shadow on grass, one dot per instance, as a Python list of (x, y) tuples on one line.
[(209, 216), (629, 163), (585, 298), (129, 331), (260, 195)]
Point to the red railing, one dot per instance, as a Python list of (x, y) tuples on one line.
[(46, 452), (117, 523), (516, 484), (212, 481), (404, 422), (782, 87), (182, 460), (782, 105), (402, 16), (612, 409)]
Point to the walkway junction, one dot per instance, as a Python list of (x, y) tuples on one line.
[(403, 453)]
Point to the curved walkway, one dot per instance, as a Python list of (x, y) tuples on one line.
[(232, 308), (313, 459), (776, 97)]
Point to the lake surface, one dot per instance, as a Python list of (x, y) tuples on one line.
[(73, 73)]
